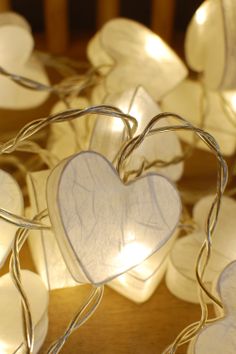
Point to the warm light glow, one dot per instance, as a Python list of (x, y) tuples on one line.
[(3, 348), (117, 125), (233, 101), (201, 15), (133, 252), (156, 48)]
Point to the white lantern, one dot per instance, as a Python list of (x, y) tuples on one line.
[(181, 277), (103, 227), (209, 112), (108, 134), (129, 54), (16, 46), (220, 336), (210, 43)]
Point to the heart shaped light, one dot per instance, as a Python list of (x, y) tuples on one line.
[(11, 325), (108, 134), (180, 277), (130, 55), (103, 227), (16, 46), (210, 43), (11, 199), (187, 100), (220, 337)]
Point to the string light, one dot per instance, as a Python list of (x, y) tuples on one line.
[(133, 251)]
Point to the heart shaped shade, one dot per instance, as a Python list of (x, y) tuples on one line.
[(130, 55), (187, 100), (220, 337), (16, 56), (103, 227), (180, 277), (108, 134), (210, 43)]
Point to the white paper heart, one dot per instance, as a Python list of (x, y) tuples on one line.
[(211, 34), (135, 56), (187, 99), (11, 199), (11, 327), (108, 134), (16, 46), (180, 277), (104, 228), (220, 337)]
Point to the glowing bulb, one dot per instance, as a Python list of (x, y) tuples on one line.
[(132, 253), (3, 348), (233, 101), (201, 15), (156, 48), (118, 125)]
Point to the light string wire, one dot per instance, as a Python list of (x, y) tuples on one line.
[(62, 90), (89, 307), (37, 125), (69, 86), (205, 252), (15, 271), (187, 153), (130, 146), (33, 127), (19, 142)]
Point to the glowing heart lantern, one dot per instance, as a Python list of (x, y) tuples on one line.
[(11, 199), (16, 56), (109, 133), (105, 227), (220, 336), (210, 110), (11, 324), (129, 54), (210, 43), (180, 276)]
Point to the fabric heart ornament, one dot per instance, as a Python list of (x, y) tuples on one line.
[(103, 227), (16, 46), (187, 100), (108, 134), (180, 276), (130, 55), (211, 34), (11, 199), (11, 326), (220, 337)]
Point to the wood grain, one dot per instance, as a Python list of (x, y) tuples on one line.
[(106, 10), (162, 20), (5, 5)]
